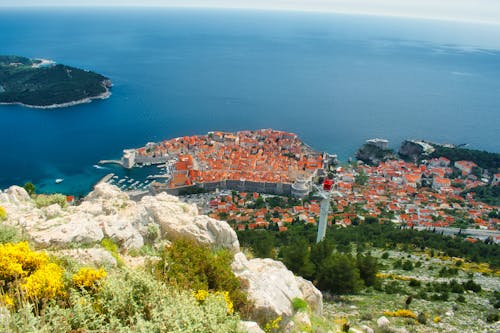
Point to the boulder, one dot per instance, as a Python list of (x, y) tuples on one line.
[(121, 231), (383, 322), (367, 329), (75, 228), (180, 220), (18, 194), (52, 211), (312, 295), (250, 327), (354, 330), (93, 256), (271, 287)]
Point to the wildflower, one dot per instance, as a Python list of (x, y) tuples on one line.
[(401, 313), (200, 295), (17, 261), (227, 299), (45, 283), (88, 278), (273, 325), (7, 301)]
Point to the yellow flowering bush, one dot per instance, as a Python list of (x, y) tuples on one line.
[(437, 319), (3, 214), (227, 299), (393, 277), (45, 283), (201, 295), (6, 301), (273, 325), (88, 278), (401, 313), (18, 261), (30, 272)]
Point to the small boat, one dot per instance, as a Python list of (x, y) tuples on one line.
[(59, 180)]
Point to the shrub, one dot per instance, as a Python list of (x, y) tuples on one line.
[(422, 318), (407, 265), (273, 325), (385, 255), (30, 188), (471, 285), (45, 283), (109, 245), (492, 317), (29, 273), (368, 268), (461, 299), (9, 234), (401, 313), (339, 274), (414, 283), (43, 200), (88, 278), (299, 304), (130, 300), (191, 266)]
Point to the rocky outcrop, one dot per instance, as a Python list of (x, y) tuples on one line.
[(180, 220), (109, 212), (92, 256), (373, 155), (272, 287), (413, 150)]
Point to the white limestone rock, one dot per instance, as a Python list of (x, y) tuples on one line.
[(75, 228), (249, 327), (18, 194), (312, 295), (270, 286), (52, 211), (109, 212), (93, 256), (367, 329), (180, 220), (383, 322)]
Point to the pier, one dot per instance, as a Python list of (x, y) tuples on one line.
[(119, 162), (105, 179)]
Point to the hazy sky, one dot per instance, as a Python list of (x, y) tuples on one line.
[(484, 11)]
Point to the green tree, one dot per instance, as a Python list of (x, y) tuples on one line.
[(368, 268), (30, 188), (321, 251), (339, 274), (297, 258)]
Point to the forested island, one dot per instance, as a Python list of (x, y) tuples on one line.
[(42, 83)]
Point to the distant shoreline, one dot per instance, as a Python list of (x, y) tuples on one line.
[(104, 95)]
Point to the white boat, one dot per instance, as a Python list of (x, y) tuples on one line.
[(59, 180)]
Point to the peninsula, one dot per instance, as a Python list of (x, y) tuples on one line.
[(40, 83)]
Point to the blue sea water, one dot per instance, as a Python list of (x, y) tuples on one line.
[(336, 80)]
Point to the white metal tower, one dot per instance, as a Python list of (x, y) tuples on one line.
[(324, 194)]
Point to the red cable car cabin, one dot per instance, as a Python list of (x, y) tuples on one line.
[(327, 184)]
